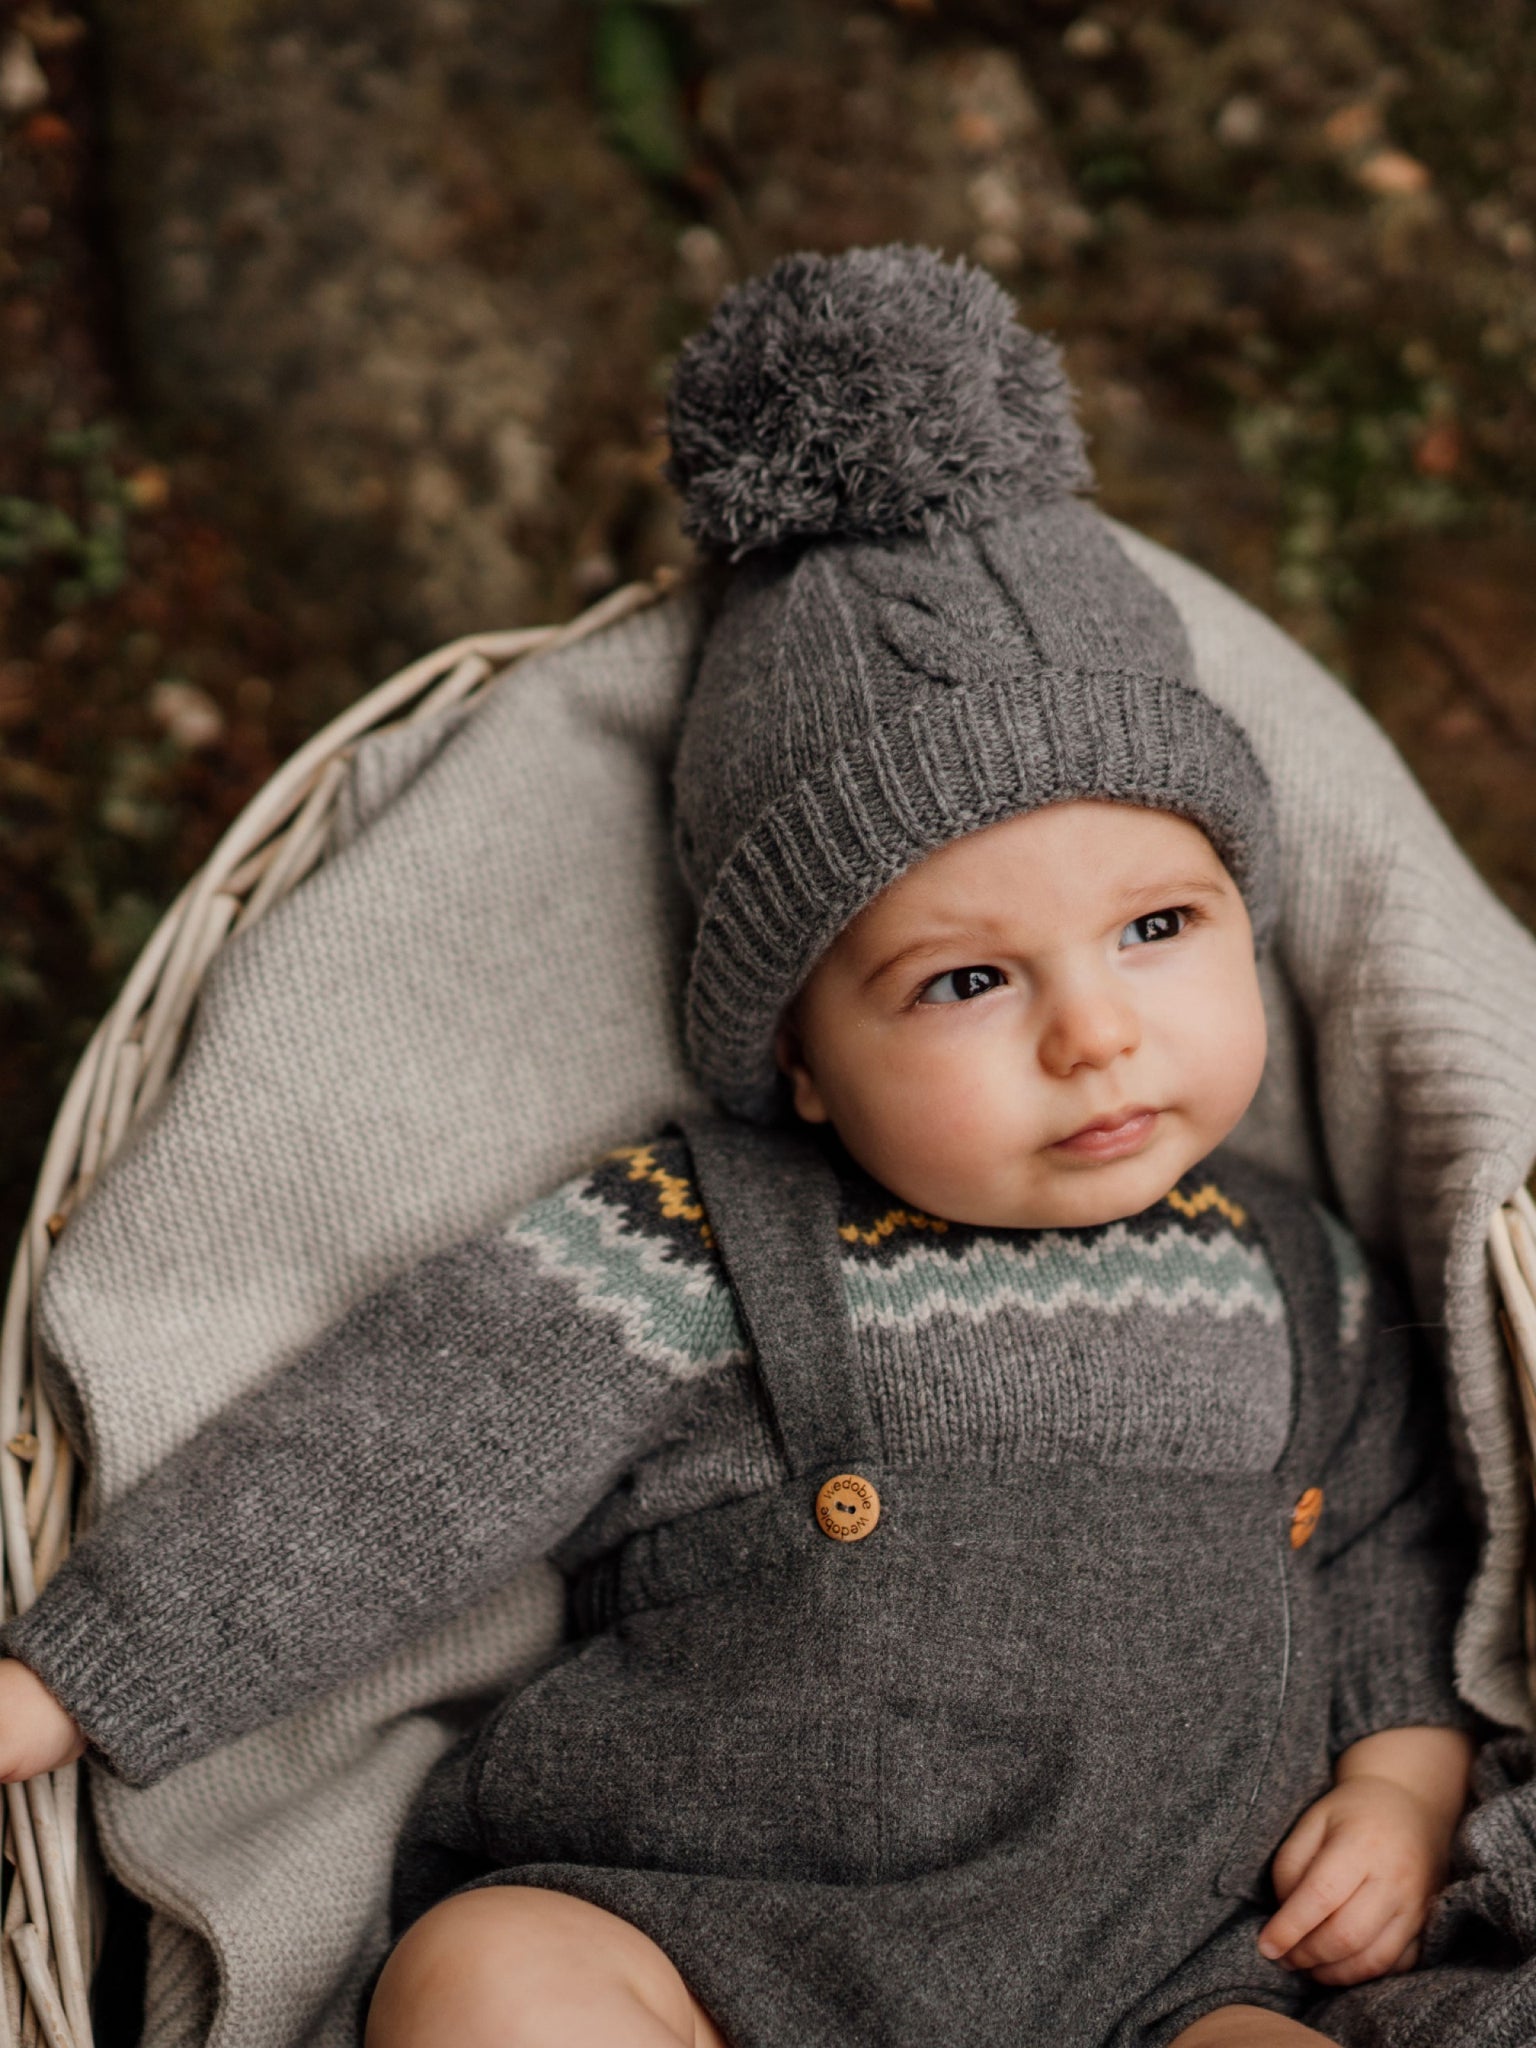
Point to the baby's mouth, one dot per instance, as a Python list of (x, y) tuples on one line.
[(1112, 1136)]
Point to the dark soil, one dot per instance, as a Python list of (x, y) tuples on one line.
[(1290, 251)]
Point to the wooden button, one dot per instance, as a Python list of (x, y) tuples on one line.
[(1304, 1516), (847, 1507)]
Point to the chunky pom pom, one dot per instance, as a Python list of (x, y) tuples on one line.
[(877, 393)]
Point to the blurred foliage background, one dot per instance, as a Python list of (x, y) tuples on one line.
[(333, 328)]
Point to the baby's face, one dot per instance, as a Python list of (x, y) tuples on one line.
[(1045, 1023)]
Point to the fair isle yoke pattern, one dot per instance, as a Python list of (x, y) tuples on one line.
[(1160, 1339), (633, 1238), (1193, 1251), (632, 1242)]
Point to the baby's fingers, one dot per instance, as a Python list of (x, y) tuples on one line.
[(1330, 1881), (1297, 1850), (1350, 1932), (1395, 1948), (36, 1733)]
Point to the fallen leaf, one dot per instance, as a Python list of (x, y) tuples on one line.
[(1242, 122), (1392, 173), (1088, 39), (1353, 126), (148, 488), (22, 84), (977, 131), (1438, 450), (47, 131), (187, 715)]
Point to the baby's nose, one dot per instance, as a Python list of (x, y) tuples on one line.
[(1088, 1029)]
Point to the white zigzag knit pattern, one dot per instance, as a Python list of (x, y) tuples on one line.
[(1053, 1274), (679, 1317)]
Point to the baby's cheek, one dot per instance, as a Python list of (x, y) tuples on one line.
[(977, 1092), (938, 1125), (1221, 1040)]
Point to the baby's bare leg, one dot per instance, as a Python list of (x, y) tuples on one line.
[(1247, 2026), (511, 1966)]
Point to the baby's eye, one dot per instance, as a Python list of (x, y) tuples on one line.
[(1157, 924), (961, 983)]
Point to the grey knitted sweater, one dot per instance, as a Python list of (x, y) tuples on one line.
[(582, 1374)]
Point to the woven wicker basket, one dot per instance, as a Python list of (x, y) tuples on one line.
[(51, 1914)]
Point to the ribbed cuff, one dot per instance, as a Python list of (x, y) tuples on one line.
[(1417, 1695), (77, 1645)]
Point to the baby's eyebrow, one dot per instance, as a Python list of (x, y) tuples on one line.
[(950, 939), (1168, 887)]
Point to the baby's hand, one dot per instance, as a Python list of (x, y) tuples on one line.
[(36, 1734), (1357, 1873)]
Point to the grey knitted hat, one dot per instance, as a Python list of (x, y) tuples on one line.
[(921, 629)]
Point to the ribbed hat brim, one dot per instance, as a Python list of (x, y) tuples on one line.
[(966, 759)]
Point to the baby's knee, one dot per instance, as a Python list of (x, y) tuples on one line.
[(492, 1968), (1247, 2026)]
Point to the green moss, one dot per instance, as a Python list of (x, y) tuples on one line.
[(637, 65), (1341, 437), (80, 554)]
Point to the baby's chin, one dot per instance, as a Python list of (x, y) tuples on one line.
[(1055, 1195)]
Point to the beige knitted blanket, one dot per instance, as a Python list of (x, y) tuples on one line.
[(475, 994)]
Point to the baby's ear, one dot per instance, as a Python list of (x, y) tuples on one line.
[(789, 1051)]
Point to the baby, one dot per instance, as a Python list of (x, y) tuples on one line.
[(1012, 1565)]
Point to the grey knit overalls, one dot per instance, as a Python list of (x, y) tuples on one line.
[(1009, 1768)]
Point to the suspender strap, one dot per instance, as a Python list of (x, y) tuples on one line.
[(1304, 1266), (772, 1203)]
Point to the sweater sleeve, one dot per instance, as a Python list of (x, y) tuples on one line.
[(1400, 1544), (441, 1435)]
